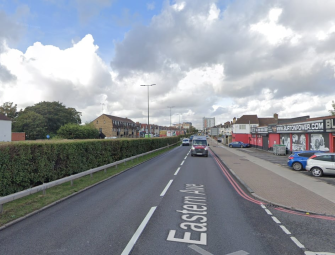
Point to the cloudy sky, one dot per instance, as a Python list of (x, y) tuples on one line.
[(212, 58)]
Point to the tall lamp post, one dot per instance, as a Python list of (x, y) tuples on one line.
[(170, 116), (148, 104), (179, 123)]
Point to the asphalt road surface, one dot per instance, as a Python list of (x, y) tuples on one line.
[(173, 204)]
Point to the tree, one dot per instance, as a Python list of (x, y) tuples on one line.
[(33, 124), (332, 111), (55, 115), (75, 131), (9, 110)]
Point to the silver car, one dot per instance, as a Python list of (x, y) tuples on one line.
[(321, 163)]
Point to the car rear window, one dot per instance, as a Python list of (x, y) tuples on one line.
[(324, 158)]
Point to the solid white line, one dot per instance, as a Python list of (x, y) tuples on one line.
[(177, 171), (268, 212), (138, 232), (166, 188), (275, 220), (295, 240), (285, 229), (263, 206), (182, 162), (185, 158)]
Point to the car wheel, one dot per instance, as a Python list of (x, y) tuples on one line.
[(241, 146), (297, 166), (231, 146), (317, 172)]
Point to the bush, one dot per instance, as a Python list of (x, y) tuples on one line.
[(75, 131)]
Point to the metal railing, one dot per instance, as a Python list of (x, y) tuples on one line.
[(70, 178)]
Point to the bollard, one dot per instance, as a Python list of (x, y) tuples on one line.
[(44, 192), (105, 170), (71, 183), (0, 208), (91, 175)]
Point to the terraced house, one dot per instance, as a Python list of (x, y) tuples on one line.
[(113, 126)]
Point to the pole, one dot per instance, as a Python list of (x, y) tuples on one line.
[(170, 116), (148, 104)]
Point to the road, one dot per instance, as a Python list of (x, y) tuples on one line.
[(173, 204)]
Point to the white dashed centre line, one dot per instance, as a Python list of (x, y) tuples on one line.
[(177, 171), (285, 230), (268, 212), (182, 162), (138, 232), (275, 220), (295, 240), (185, 157), (166, 188)]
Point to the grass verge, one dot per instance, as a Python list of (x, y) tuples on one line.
[(26, 205)]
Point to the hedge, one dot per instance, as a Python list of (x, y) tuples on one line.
[(27, 164)]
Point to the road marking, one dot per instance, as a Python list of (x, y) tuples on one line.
[(185, 157), (285, 230), (239, 253), (138, 232), (263, 206), (318, 253), (182, 162), (268, 212), (199, 250), (177, 171), (166, 188), (275, 219), (295, 240)]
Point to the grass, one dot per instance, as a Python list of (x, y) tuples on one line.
[(29, 204)]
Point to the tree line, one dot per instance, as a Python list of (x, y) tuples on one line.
[(52, 119)]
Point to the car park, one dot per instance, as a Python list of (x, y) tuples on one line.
[(298, 159), (185, 142), (199, 146), (239, 145), (321, 163)]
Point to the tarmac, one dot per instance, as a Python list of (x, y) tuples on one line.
[(275, 183)]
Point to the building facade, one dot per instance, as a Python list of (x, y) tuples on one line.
[(207, 123), (113, 126), (5, 128)]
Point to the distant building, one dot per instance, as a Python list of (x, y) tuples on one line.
[(208, 122), (113, 126)]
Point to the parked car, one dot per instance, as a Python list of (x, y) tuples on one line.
[(239, 145), (298, 159), (199, 146), (186, 142), (321, 163), (191, 138)]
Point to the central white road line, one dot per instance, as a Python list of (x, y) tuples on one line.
[(285, 229), (182, 162), (177, 171), (166, 188), (268, 212), (185, 158), (295, 240), (275, 220), (263, 206), (199, 250), (138, 232), (239, 253)]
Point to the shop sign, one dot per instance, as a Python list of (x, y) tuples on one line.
[(330, 125), (259, 130), (304, 127)]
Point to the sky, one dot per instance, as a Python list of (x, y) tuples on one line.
[(213, 58)]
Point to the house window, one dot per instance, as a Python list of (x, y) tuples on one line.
[(100, 130), (242, 127), (97, 122)]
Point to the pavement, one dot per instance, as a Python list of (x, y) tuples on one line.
[(268, 178)]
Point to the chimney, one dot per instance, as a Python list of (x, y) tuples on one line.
[(234, 120), (275, 116)]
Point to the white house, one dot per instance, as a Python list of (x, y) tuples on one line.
[(5, 129)]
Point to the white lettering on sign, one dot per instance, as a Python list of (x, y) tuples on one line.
[(330, 124), (193, 212)]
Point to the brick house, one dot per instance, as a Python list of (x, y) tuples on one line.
[(113, 126)]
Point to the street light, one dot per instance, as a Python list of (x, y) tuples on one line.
[(179, 123), (148, 105), (170, 116)]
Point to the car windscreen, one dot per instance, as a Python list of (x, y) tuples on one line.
[(200, 142)]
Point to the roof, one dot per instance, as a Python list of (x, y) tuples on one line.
[(247, 119), (266, 121), (119, 118), (4, 117)]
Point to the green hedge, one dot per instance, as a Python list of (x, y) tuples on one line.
[(28, 164)]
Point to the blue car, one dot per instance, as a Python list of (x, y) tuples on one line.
[(298, 159), (239, 145)]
